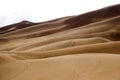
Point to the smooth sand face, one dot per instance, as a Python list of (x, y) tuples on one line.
[(82, 66), (84, 47)]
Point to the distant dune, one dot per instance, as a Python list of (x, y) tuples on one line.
[(81, 47)]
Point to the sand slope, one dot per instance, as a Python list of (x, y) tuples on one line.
[(79, 47)]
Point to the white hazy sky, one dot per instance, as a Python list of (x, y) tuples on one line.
[(12, 11)]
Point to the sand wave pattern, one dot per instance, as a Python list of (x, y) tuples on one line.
[(81, 47)]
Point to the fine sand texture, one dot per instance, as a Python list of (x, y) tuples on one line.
[(79, 47)]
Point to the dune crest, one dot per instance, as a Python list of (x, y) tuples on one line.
[(80, 47)]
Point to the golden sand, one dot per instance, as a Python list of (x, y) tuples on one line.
[(83, 47)]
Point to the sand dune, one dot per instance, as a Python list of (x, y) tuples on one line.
[(76, 21), (92, 67), (79, 47), (68, 43), (101, 29)]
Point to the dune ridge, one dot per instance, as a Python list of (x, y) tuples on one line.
[(79, 47)]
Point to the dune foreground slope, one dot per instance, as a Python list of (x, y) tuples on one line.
[(81, 47)]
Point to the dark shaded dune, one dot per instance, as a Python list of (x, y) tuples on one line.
[(104, 25), (101, 26), (113, 35), (42, 27), (104, 13), (101, 29), (21, 25), (16, 26), (71, 22), (94, 16), (3, 40)]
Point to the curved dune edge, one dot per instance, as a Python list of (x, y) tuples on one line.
[(79, 47), (90, 48)]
